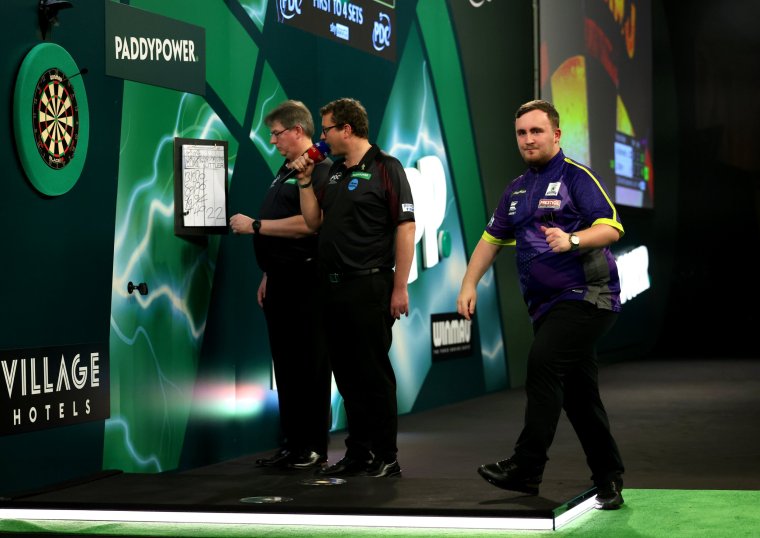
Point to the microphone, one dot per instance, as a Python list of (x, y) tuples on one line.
[(316, 153)]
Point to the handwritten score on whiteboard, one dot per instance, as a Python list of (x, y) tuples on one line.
[(204, 177)]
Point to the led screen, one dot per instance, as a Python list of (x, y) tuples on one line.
[(363, 24), (595, 65)]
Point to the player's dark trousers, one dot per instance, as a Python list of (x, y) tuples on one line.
[(563, 374), (299, 353), (358, 320)]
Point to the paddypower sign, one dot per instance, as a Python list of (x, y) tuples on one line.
[(154, 49)]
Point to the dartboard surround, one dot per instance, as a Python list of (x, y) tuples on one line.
[(53, 145)]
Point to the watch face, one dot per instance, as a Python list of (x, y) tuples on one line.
[(55, 118)]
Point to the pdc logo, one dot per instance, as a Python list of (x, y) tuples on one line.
[(381, 33), (289, 8)]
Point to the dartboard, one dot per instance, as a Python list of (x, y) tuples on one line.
[(52, 146), (55, 118)]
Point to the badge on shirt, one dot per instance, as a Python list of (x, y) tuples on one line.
[(553, 189), (549, 203), (361, 175)]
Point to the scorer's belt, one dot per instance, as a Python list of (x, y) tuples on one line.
[(337, 278)]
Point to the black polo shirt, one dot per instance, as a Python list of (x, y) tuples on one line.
[(362, 207), (280, 254)]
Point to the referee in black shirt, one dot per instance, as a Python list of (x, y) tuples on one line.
[(286, 250), (365, 215)]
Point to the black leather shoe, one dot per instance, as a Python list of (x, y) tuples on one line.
[(381, 469), (506, 474), (281, 458), (345, 467), (308, 459), (609, 494)]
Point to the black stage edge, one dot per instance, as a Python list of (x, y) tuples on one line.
[(669, 418), (238, 486)]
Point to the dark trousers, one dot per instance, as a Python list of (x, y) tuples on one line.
[(563, 374), (299, 354), (358, 326)]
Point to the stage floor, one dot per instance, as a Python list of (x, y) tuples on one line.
[(679, 424)]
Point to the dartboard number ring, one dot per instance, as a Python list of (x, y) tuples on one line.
[(55, 118)]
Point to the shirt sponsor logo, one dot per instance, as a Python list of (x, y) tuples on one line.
[(334, 179), (407, 208), (553, 189), (549, 203), (362, 175), (512, 207), (353, 184)]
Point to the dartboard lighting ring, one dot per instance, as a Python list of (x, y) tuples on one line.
[(53, 145)]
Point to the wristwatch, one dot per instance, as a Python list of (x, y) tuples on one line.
[(575, 242), (256, 225)]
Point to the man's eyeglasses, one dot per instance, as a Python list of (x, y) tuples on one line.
[(325, 130), (277, 134)]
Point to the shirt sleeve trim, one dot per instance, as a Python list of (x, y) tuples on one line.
[(488, 238), (610, 222), (614, 220)]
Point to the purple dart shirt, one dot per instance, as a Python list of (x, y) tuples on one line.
[(562, 194)]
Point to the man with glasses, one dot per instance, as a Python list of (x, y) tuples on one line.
[(286, 251), (366, 220), (561, 221)]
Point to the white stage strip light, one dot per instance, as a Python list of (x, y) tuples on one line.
[(575, 512), (331, 520)]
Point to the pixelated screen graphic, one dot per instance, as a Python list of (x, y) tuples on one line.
[(595, 65), (367, 25)]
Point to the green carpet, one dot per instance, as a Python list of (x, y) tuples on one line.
[(647, 513)]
